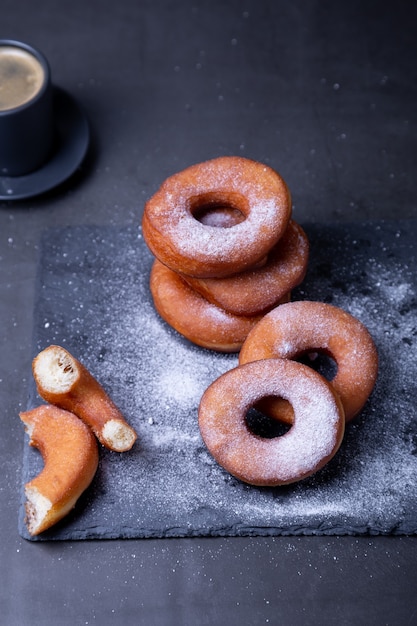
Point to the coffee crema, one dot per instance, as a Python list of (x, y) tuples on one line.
[(21, 77)]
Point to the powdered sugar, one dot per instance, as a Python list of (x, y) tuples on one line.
[(197, 238), (307, 325), (257, 191), (256, 290), (311, 441), (94, 300)]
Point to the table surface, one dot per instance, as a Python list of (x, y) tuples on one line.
[(323, 92)]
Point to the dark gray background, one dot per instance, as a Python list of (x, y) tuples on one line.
[(325, 93)]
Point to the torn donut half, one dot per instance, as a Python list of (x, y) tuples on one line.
[(65, 382), (70, 454)]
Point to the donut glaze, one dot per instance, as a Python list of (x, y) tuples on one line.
[(175, 235), (257, 290), (299, 328), (313, 439), (193, 316)]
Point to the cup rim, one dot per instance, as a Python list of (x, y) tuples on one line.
[(14, 43)]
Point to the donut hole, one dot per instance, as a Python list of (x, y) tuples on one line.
[(219, 210), (320, 361), (264, 426)]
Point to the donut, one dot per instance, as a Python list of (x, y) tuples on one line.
[(63, 381), (312, 440), (299, 328), (70, 454), (174, 233), (191, 315), (257, 290)]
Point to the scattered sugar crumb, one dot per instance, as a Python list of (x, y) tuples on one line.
[(169, 484)]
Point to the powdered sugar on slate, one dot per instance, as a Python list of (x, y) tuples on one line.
[(94, 300)]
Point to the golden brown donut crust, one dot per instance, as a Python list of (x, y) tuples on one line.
[(257, 290), (193, 316), (65, 382), (299, 328), (70, 453), (185, 244), (311, 442)]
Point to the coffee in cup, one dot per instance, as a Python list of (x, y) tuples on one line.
[(26, 109), (21, 77)]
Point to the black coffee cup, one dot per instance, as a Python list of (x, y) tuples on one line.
[(26, 109)]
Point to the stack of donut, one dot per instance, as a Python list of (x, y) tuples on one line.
[(226, 248), (228, 256)]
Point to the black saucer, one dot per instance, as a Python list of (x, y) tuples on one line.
[(71, 146)]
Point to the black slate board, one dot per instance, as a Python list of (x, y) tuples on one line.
[(93, 298)]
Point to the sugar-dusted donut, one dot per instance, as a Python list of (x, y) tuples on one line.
[(296, 329), (198, 320), (177, 237), (257, 290), (313, 439), (70, 454)]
